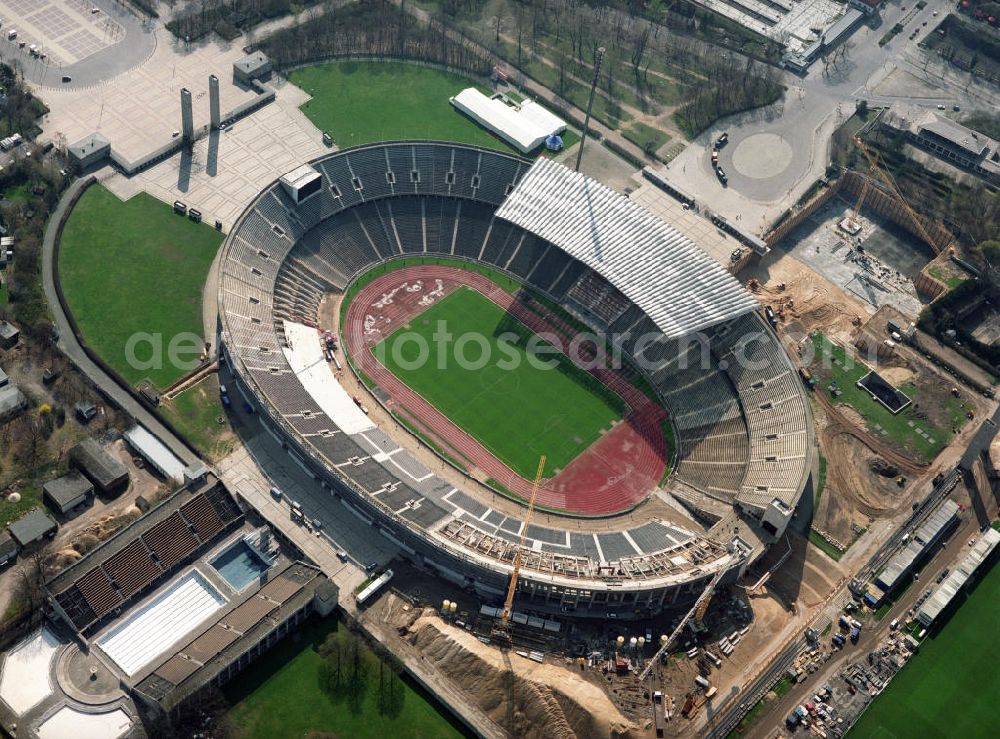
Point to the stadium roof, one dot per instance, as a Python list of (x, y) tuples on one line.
[(675, 283)]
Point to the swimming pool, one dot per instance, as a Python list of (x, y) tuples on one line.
[(239, 564)]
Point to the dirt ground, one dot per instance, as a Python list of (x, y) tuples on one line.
[(860, 484), (529, 699), (809, 301)]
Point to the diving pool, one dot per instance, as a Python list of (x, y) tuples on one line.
[(239, 564)]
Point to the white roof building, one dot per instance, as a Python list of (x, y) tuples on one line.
[(525, 126), (668, 276), (155, 453)]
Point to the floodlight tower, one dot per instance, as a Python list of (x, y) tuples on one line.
[(598, 59)]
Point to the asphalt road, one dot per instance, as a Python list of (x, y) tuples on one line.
[(813, 107)]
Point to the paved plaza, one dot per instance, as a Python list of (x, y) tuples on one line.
[(139, 111), (712, 240)]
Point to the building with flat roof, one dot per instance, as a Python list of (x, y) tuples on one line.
[(32, 527), (156, 453), (227, 644), (922, 544), (67, 492), (9, 334), (90, 150), (959, 577), (947, 139), (97, 463), (12, 401), (251, 67), (8, 548)]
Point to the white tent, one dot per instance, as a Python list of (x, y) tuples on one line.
[(525, 126)]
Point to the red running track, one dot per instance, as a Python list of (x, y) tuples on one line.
[(613, 475)]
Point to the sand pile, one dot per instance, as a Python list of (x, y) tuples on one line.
[(529, 699)]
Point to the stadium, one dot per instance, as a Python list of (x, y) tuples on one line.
[(337, 269)]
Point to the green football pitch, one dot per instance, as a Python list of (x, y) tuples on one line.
[(947, 690), (135, 267), (514, 407)]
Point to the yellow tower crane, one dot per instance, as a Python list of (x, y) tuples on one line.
[(886, 178), (501, 630), (854, 222)]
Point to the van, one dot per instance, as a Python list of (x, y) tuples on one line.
[(276, 493), (12, 34), (894, 624), (179, 207), (194, 215)]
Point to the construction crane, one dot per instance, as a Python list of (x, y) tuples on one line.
[(898, 196), (697, 611), (852, 224), (501, 631)]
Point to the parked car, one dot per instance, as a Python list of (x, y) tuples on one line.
[(276, 493)]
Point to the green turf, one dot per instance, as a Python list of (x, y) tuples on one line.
[(649, 139), (363, 102), (846, 371), (519, 412), (824, 546), (134, 267), (279, 696), (948, 688), (196, 413)]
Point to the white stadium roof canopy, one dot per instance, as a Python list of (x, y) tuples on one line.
[(664, 273), (526, 126)]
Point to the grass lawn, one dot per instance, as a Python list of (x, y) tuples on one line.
[(196, 413), (31, 497), (135, 267), (900, 428), (363, 102), (948, 688), (948, 278), (824, 546), (516, 409), (646, 137), (820, 480), (280, 696), (4, 297)]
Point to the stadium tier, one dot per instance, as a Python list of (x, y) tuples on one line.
[(742, 428), (141, 556)]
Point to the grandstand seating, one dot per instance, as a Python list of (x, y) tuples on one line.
[(132, 568), (170, 541), (742, 429)]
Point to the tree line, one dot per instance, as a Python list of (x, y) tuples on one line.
[(656, 56), (372, 29), (229, 17)]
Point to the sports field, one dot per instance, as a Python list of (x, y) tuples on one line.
[(949, 688), (362, 102), (134, 267), (513, 407)]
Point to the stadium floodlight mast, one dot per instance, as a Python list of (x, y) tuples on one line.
[(590, 103)]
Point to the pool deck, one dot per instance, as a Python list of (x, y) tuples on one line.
[(203, 567)]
